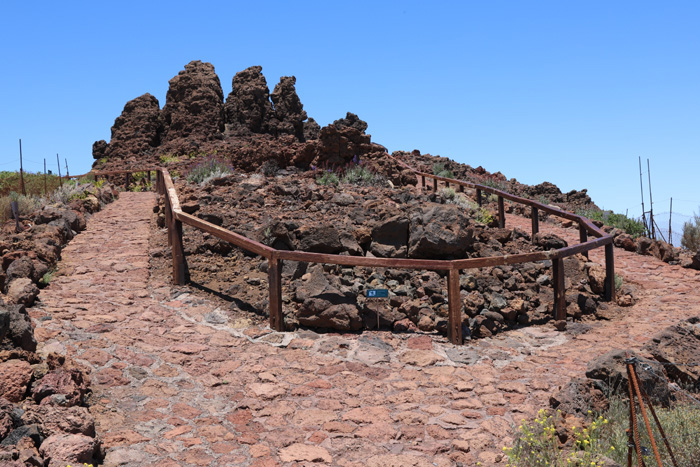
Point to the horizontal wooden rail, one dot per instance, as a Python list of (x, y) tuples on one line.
[(175, 217)]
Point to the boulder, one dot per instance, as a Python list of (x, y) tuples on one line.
[(643, 245), (99, 148), (317, 312), (439, 231), (15, 376), (579, 396), (390, 238), (194, 109), (21, 268), (56, 420), (319, 239), (60, 387), (19, 332), (675, 346), (691, 261), (596, 277), (663, 251), (549, 241), (626, 242), (62, 449), (22, 292), (610, 371)]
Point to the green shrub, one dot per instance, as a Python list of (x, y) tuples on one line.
[(207, 170), (633, 227), (691, 234), (440, 170), (448, 194), (25, 204), (328, 177), (361, 175), (484, 216), (168, 159)]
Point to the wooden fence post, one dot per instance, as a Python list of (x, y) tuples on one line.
[(558, 281), (179, 264), (275, 283), (126, 181), (435, 183), (583, 236), (422, 181), (478, 196), (535, 222), (454, 329), (609, 272), (168, 218), (461, 188), (501, 213)]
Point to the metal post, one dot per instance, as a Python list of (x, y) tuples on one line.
[(46, 193), (67, 173), (478, 196), (501, 213), (22, 189), (179, 265), (583, 236), (58, 163), (454, 330), (559, 289), (609, 272), (535, 222), (275, 283)]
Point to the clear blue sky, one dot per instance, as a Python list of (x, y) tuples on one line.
[(568, 92)]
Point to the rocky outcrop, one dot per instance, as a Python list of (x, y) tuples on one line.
[(289, 113), (248, 108), (194, 109), (136, 132), (674, 347)]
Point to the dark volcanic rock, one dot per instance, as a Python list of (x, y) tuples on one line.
[(19, 333), (440, 231), (136, 131), (675, 346), (390, 238), (549, 241), (351, 121), (248, 108), (194, 109), (579, 396), (99, 149), (610, 370), (289, 113), (311, 129)]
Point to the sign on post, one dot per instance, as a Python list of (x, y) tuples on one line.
[(377, 293)]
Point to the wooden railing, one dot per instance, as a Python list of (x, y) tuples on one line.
[(175, 217)]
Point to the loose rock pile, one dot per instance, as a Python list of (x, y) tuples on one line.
[(290, 211), (44, 420)]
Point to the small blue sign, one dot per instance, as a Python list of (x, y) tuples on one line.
[(377, 293)]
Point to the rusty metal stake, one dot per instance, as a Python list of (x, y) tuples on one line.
[(633, 422), (658, 424), (635, 384)]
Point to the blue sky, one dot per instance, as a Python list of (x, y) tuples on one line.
[(568, 92)]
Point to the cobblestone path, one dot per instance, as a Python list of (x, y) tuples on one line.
[(175, 383)]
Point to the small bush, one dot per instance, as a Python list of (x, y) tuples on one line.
[(208, 170), (691, 234), (25, 204), (361, 175), (168, 159), (633, 227), (448, 194), (328, 177), (484, 216), (440, 170)]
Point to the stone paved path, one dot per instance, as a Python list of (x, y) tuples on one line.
[(176, 384)]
